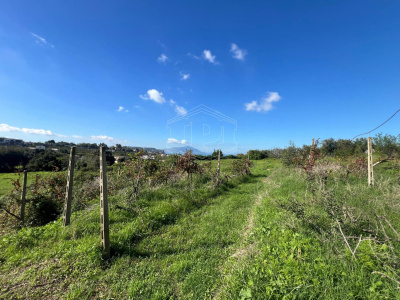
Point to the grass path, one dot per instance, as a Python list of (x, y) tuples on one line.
[(245, 246), (183, 260)]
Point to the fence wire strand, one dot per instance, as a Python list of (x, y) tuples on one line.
[(378, 126)]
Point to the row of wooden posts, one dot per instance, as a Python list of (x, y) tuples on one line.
[(104, 220)]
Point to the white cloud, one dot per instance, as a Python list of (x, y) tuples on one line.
[(175, 141), (41, 40), (265, 103), (154, 95), (180, 110), (121, 108), (184, 76), (193, 56), (8, 128), (77, 136), (208, 56), (162, 58), (104, 138), (237, 52)]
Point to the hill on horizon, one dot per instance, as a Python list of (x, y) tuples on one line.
[(182, 150)]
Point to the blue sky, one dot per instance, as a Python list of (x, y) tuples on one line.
[(117, 71)]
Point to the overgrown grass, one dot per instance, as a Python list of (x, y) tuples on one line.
[(299, 251), (172, 247), (273, 235)]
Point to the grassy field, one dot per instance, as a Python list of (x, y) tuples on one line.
[(274, 234), (6, 180)]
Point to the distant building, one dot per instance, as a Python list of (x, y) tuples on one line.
[(40, 147), (11, 141)]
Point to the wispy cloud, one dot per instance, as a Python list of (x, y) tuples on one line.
[(158, 97), (180, 110), (265, 103), (122, 109), (194, 56), (153, 95), (175, 141), (41, 40), (184, 76), (8, 128), (97, 138), (104, 138), (237, 52), (207, 55), (162, 58)]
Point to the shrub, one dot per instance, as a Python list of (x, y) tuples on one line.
[(290, 155), (188, 165), (241, 166)]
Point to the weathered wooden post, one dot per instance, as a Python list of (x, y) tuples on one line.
[(22, 215), (105, 229), (68, 192), (219, 166), (370, 163)]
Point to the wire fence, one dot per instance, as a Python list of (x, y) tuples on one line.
[(377, 126)]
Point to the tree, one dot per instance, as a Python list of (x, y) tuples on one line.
[(215, 153), (257, 154), (187, 163), (328, 147), (385, 144)]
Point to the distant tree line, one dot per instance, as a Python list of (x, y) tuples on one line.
[(20, 158), (16, 157)]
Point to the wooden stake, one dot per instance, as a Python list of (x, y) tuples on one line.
[(219, 165), (23, 197), (104, 221), (370, 163), (68, 192)]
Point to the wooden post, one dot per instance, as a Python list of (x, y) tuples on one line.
[(219, 166), (312, 143), (105, 230), (22, 215), (68, 192), (370, 163)]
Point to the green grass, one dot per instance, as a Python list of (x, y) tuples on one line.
[(175, 249), (302, 256), (270, 235), (6, 180)]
